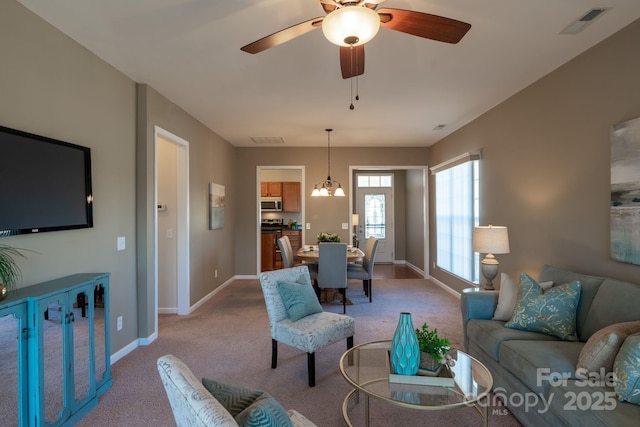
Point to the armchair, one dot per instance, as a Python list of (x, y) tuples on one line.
[(309, 333)]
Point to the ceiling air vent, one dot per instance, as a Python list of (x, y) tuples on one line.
[(579, 24), (439, 127), (267, 140)]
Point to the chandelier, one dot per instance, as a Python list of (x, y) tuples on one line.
[(328, 187)]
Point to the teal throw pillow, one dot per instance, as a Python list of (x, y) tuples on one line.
[(552, 312), (249, 407), (299, 299), (627, 370)]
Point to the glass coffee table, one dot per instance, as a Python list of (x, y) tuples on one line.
[(367, 367)]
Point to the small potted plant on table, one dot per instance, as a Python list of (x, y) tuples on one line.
[(328, 237), (432, 349)]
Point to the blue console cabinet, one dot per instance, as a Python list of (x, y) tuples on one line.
[(54, 350)]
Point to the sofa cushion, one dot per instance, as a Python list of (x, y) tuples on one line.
[(552, 312), (615, 302), (592, 405), (627, 370), (602, 347), (535, 362), (509, 295), (590, 286), (489, 334), (249, 407), (299, 298)]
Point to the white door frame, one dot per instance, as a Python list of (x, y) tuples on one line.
[(182, 228), (388, 168)]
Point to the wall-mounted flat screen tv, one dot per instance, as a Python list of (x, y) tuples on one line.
[(45, 184)]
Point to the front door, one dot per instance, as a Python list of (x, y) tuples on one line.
[(375, 207)]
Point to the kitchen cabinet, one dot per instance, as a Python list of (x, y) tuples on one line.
[(271, 189), (61, 359), (291, 197), (268, 251)]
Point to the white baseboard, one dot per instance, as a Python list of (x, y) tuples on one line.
[(124, 351), (445, 287), (210, 295), (416, 269)]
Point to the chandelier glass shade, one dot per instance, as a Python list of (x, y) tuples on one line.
[(328, 187), (351, 25)]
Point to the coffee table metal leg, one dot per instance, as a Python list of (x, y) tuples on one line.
[(366, 409)]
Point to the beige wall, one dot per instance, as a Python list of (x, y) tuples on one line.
[(51, 86), (324, 214), (546, 161), (211, 159), (54, 87)]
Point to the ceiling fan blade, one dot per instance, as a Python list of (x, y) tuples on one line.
[(352, 61), (282, 36), (423, 25)]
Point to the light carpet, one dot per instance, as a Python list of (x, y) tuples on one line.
[(228, 339)]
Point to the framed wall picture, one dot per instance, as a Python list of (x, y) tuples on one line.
[(625, 192), (216, 206)]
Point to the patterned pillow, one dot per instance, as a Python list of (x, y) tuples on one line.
[(508, 295), (627, 370), (602, 347), (552, 312), (299, 298), (249, 407)]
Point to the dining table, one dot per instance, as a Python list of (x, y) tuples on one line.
[(310, 253)]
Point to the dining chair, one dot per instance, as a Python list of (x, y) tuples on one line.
[(286, 251), (308, 333), (332, 269), (364, 271)]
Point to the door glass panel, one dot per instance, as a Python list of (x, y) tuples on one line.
[(99, 332), (9, 368), (80, 332), (374, 211), (53, 341)]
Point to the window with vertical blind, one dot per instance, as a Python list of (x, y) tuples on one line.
[(457, 213)]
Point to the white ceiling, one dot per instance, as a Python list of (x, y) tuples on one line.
[(189, 50)]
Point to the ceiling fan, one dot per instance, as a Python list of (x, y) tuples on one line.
[(351, 23)]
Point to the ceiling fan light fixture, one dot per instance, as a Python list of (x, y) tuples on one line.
[(351, 25)]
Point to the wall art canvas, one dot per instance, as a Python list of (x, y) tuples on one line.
[(216, 206), (625, 192)]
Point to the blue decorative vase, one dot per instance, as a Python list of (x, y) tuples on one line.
[(405, 352)]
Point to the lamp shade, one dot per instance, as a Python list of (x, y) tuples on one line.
[(355, 219), (351, 25), (491, 239)]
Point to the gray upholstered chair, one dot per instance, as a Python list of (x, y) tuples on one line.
[(332, 268), (310, 333), (193, 405), (286, 251), (364, 271)]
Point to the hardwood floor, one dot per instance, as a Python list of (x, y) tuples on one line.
[(394, 271)]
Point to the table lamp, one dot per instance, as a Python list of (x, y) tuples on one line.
[(490, 240)]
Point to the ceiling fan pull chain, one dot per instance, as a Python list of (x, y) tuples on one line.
[(351, 107)]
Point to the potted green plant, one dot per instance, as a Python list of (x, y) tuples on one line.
[(328, 237), (9, 271), (432, 348)]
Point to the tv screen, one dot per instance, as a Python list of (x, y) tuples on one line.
[(45, 184)]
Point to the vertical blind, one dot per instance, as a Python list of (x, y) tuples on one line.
[(457, 207)]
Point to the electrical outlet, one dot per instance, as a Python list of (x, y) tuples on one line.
[(215, 273), (308, 226), (119, 323), (345, 225)]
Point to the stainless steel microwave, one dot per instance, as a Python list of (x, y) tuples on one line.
[(271, 204)]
